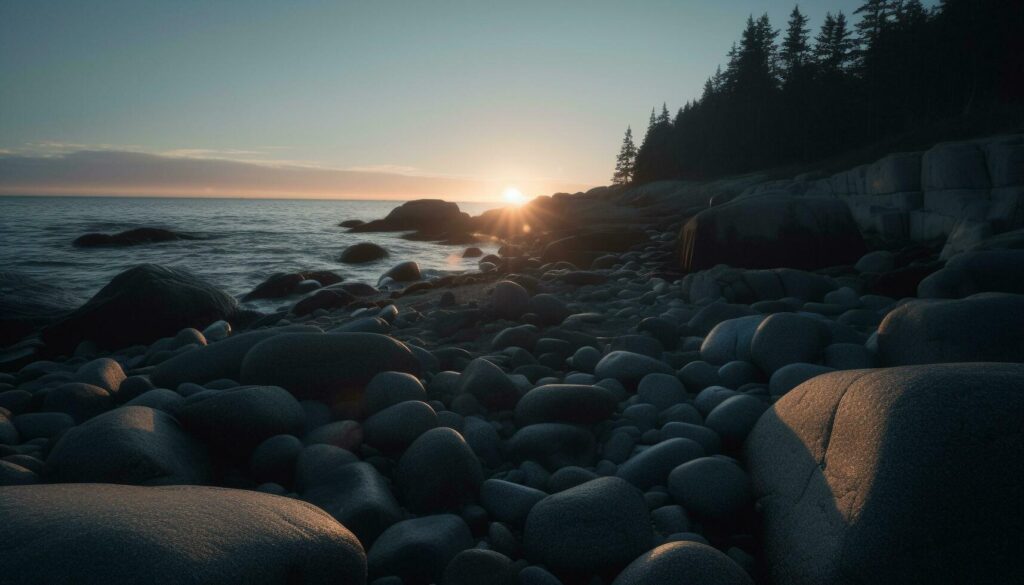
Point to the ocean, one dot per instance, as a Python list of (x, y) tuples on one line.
[(245, 240)]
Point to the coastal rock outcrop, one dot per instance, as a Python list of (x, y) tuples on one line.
[(772, 231), (283, 284), (428, 215)]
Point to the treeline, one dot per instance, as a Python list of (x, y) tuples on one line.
[(790, 98)]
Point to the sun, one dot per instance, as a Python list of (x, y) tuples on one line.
[(514, 196)]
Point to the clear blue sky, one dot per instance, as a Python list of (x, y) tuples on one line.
[(510, 91)]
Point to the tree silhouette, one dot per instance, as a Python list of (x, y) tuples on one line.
[(907, 68), (625, 163)]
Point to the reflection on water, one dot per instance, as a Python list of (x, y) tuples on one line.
[(247, 240)]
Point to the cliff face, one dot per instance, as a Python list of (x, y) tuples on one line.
[(962, 192)]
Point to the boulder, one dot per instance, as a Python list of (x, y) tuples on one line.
[(975, 272), (133, 237), (438, 472), (351, 491), (553, 445), (478, 566), (772, 232), (509, 300), (362, 252), (629, 368), (130, 445), (138, 306), (283, 284), (895, 173), (236, 420), (509, 502), (389, 388), (489, 384), (394, 428), (419, 549), (216, 361), (404, 272), (851, 468), (598, 526), (81, 401), (565, 403), (786, 338), (698, 562), (429, 215), (651, 466), (93, 534), (335, 366), (711, 488), (988, 327), (731, 340)]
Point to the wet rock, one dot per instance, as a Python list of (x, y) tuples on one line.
[(133, 237), (283, 284), (362, 252)]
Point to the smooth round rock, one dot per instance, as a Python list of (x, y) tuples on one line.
[(733, 419), (509, 502), (600, 525), (551, 309), (661, 390), (128, 445), (489, 384), (478, 567), (711, 488), (787, 338), (418, 550), (791, 376), (693, 561), (335, 367), (396, 427), (235, 421), (438, 471), (362, 252), (566, 403), (509, 300), (389, 388), (553, 445), (586, 358), (629, 368), (274, 459), (651, 466), (81, 401)]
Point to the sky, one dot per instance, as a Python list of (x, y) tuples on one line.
[(346, 98)]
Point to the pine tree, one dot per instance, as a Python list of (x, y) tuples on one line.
[(876, 17), (795, 52), (663, 118), (625, 164), (833, 45)]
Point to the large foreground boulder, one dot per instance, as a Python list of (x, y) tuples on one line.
[(336, 366), (983, 327), (902, 475), (140, 305), (770, 232), (101, 534)]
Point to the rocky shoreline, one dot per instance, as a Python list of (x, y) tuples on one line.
[(735, 382)]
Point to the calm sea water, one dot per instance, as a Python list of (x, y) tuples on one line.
[(247, 239)]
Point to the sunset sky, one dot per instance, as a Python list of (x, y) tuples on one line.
[(345, 98)]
